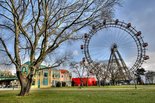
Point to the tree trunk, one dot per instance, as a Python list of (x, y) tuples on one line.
[(25, 84), (98, 82), (81, 83), (113, 81), (87, 82)]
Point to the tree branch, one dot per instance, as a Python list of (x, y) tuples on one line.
[(7, 51)]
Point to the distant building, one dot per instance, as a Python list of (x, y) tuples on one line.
[(7, 79), (48, 77), (55, 77), (65, 77)]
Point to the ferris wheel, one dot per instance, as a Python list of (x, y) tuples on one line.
[(115, 43)]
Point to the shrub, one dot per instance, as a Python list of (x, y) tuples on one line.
[(63, 84), (58, 84)]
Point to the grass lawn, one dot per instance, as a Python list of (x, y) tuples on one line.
[(108, 94)]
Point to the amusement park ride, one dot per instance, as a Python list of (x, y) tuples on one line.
[(118, 43)]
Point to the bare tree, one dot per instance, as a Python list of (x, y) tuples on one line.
[(87, 68), (32, 29), (101, 72), (79, 70), (150, 77), (139, 73)]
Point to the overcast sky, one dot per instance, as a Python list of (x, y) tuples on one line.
[(141, 13)]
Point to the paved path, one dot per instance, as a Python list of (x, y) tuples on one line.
[(1, 89)]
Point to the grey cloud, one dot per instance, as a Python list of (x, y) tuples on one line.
[(141, 13)]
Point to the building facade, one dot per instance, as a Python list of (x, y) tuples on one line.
[(44, 78), (65, 77), (7, 79)]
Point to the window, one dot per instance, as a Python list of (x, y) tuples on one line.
[(56, 74), (25, 70), (45, 74), (33, 82), (45, 79)]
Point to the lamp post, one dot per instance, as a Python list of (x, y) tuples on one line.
[(135, 80)]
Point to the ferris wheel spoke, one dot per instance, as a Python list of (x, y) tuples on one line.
[(99, 57), (96, 52), (101, 53)]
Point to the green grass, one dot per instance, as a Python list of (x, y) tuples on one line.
[(108, 94)]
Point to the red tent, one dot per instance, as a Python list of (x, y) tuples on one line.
[(91, 81)]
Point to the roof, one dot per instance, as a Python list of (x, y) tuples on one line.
[(64, 71), (84, 78), (29, 63), (8, 78)]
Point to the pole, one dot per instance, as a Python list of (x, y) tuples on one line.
[(135, 81)]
